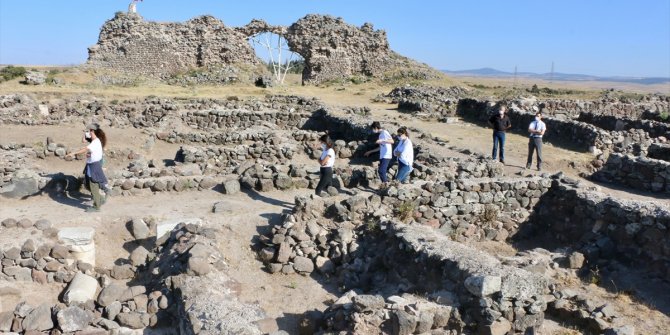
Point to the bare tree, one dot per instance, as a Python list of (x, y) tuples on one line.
[(277, 48)]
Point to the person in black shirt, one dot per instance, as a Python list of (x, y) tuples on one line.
[(500, 123)]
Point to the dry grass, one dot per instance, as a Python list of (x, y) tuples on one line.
[(78, 80), (591, 89)]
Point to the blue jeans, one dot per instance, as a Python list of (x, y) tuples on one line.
[(499, 139), (403, 171), (383, 169)]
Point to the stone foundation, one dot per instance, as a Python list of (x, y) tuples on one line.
[(640, 173), (601, 227)]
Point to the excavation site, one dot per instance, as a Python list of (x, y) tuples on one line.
[(237, 200)]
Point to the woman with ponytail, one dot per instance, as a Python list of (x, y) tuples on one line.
[(94, 176)]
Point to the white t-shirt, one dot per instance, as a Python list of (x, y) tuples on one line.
[(537, 125), (406, 150), (95, 150), (331, 160), (385, 148)]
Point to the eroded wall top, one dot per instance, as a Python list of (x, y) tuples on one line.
[(331, 48), (130, 45)]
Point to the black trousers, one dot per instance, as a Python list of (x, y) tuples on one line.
[(326, 180)]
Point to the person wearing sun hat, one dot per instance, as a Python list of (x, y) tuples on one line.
[(94, 176)]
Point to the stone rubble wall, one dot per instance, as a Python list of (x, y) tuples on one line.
[(603, 227), (659, 151), (213, 120), (13, 158), (397, 314), (433, 264), (190, 265), (426, 102), (617, 107), (615, 123), (564, 132), (129, 44), (85, 304), (41, 263), (149, 112), (331, 49), (640, 173), (462, 210), (610, 125), (472, 209), (435, 102), (183, 275)]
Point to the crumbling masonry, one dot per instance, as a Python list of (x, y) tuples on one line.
[(331, 48)]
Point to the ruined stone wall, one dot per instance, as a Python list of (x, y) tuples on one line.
[(363, 251), (130, 45), (211, 120), (615, 123), (603, 227), (152, 111), (456, 209), (578, 135), (615, 107), (563, 132), (474, 209), (432, 101), (333, 49), (640, 173), (426, 102), (659, 151)]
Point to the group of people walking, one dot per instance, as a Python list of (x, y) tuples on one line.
[(536, 129), (400, 148)]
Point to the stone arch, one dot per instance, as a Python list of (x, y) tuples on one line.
[(256, 28)]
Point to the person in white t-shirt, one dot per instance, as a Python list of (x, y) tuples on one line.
[(94, 176), (385, 152), (537, 128), (405, 153), (326, 163)]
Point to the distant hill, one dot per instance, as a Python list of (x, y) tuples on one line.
[(489, 72)]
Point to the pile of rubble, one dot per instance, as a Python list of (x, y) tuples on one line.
[(426, 102), (177, 281)]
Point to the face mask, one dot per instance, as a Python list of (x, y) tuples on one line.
[(323, 147), (87, 134), (537, 118)]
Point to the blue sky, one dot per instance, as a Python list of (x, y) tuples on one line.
[(599, 37)]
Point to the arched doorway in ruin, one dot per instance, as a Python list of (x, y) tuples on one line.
[(273, 49)]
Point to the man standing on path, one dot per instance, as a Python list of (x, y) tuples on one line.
[(536, 130), (501, 124), (385, 152)]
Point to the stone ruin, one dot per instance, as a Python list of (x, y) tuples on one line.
[(406, 260), (627, 136), (331, 48)]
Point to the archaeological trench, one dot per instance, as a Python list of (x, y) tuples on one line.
[(406, 260)]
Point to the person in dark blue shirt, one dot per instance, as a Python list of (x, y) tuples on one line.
[(501, 124)]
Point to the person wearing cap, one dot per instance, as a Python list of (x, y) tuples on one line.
[(385, 151), (94, 176)]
